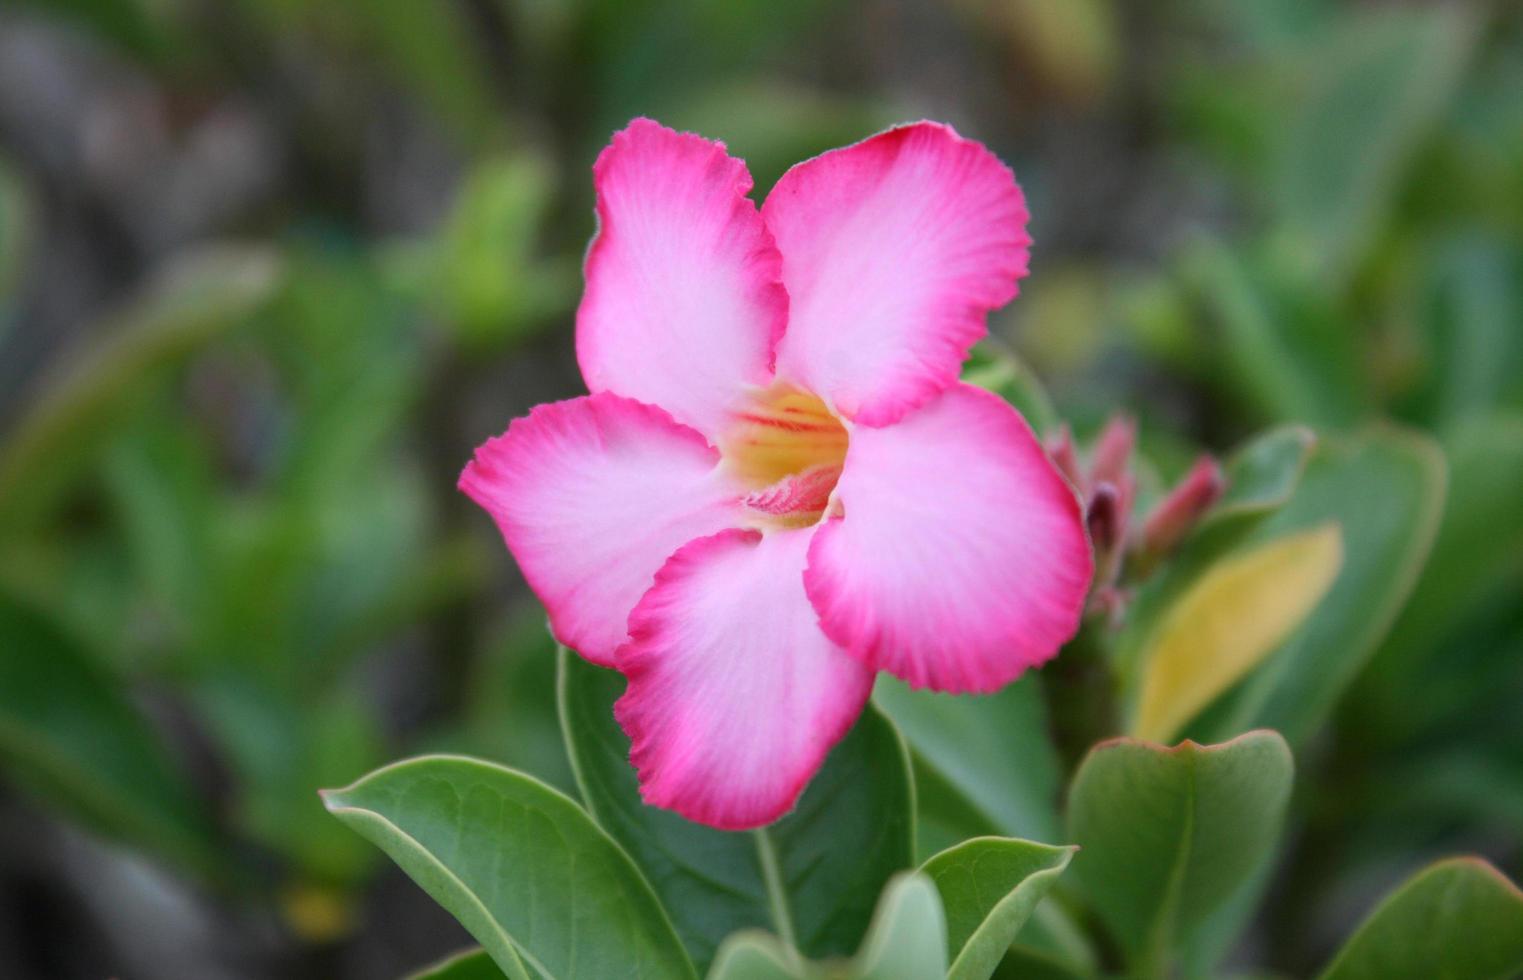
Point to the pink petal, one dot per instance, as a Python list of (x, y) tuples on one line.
[(592, 496), (959, 559), (894, 249), (735, 695), (683, 304)]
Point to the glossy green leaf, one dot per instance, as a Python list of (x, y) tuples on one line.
[(989, 888), (908, 937), (811, 877), (470, 964), (1167, 834), (1262, 474), (992, 749), (1459, 919), (522, 867), (758, 956), (1386, 538), (70, 735), (906, 941)]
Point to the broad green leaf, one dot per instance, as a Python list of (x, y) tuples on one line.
[(908, 937), (1377, 85), (1235, 614), (522, 867), (1262, 474), (75, 413), (811, 877), (906, 941), (470, 964), (1385, 490), (758, 956), (989, 887), (68, 733), (1458, 919), (1167, 834), (993, 749)]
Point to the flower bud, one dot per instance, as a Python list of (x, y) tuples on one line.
[(1183, 508), (1112, 459)]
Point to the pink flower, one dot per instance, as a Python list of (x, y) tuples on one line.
[(778, 486)]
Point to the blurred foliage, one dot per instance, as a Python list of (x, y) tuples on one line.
[(269, 269)]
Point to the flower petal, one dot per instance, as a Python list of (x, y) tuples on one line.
[(959, 559), (894, 249), (735, 696), (592, 496), (684, 302)]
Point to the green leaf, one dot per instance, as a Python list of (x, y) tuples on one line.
[(908, 937), (77, 411), (68, 733), (1167, 834), (470, 964), (1458, 919), (906, 941), (1232, 616), (989, 887), (757, 956), (1386, 537), (811, 876), (522, 867), (993, 749), (1262, 474)]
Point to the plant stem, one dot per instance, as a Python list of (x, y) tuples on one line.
[(1081, 694)]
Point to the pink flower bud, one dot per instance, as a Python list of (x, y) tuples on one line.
[(1112, 459), (1183, 508)]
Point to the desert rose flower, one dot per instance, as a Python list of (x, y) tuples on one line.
[(778, 486)]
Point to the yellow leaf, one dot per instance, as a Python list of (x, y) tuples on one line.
[(1233, 616)]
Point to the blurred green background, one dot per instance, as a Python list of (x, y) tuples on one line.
[(270, 269)]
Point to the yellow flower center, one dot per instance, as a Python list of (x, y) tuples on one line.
[(789, 448)]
